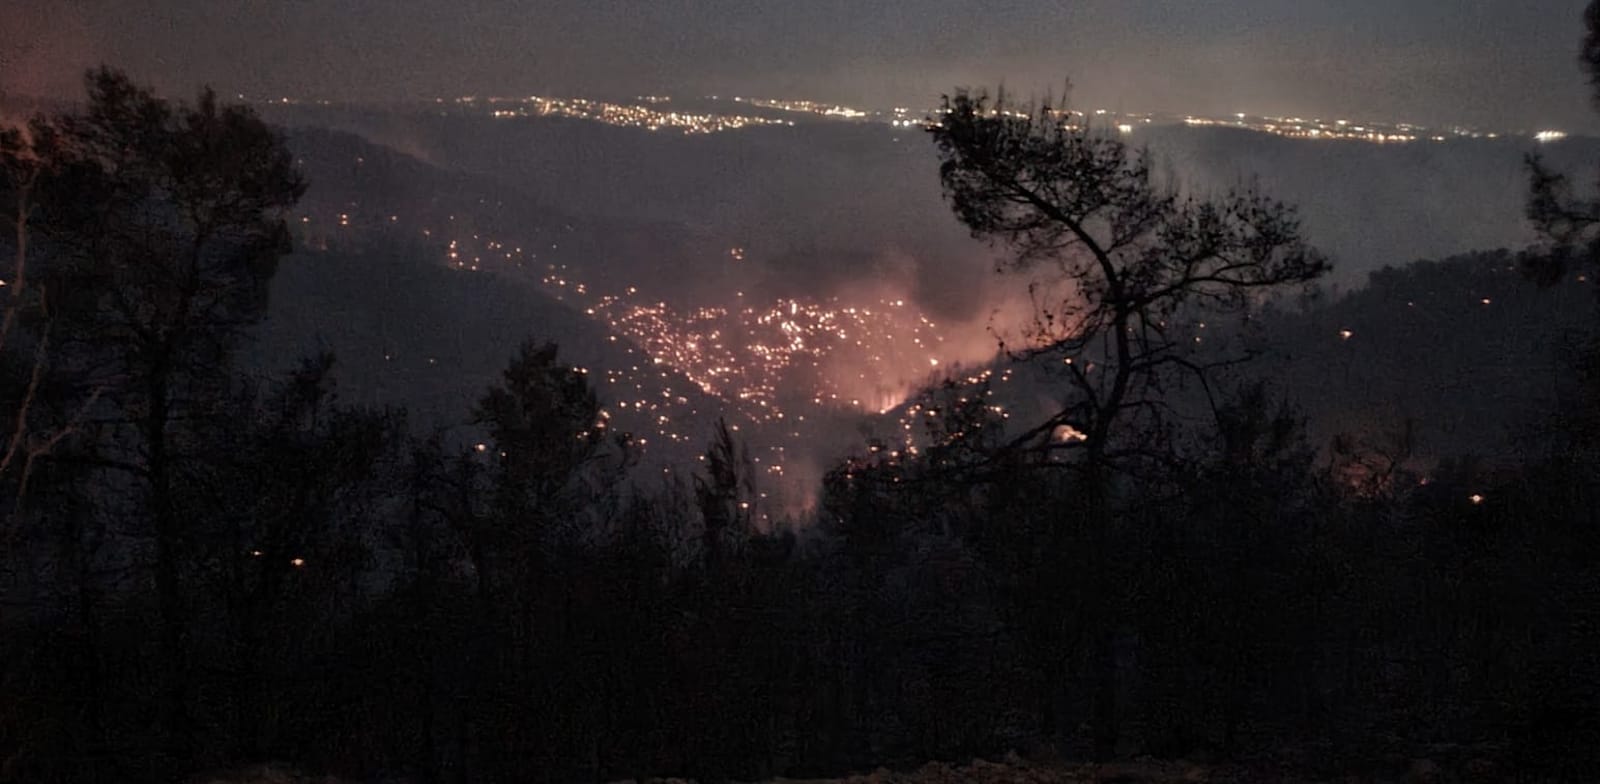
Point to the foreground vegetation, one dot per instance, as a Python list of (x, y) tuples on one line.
[(203, 569)]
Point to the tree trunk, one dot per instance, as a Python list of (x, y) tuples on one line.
[(1058, 695), (1101, 620), (169, 593), (1105, 693), (93, 647), (247, 693)]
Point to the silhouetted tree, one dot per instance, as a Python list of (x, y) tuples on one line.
[(1568, 226), (287, 494), (161, 226), (1218, 604), (530, 503), (1569, 242), (546, 426), (726, 495), (41, 408), (1130, 259), (1591, 46), (492, 603)]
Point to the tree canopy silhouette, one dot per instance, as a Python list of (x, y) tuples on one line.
[(1128, 260), (160, 228), (1568, 225)]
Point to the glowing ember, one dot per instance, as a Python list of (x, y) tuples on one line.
[(773, 363)]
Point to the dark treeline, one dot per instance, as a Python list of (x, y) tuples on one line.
[(203, 568)]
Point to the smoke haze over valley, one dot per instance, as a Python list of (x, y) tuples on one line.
[(659, 260)]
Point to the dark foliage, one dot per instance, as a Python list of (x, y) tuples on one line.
[(1133, 267), (212, 570), (1565, 221)]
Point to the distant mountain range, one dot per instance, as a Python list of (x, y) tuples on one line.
[(687, 297)]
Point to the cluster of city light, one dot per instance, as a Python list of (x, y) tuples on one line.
[(650, 113), (1291, 127), (1376, 132), (1301, 128), (807, 107), (645, 116)]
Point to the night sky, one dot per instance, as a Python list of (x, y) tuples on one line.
[(1504, 64)]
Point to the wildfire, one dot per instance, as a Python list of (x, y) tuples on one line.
[(770, 364)]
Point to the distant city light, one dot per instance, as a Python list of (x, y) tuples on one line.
[(651, 113), (645, 117)]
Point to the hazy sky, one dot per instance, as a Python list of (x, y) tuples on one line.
[(1504, 63)]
